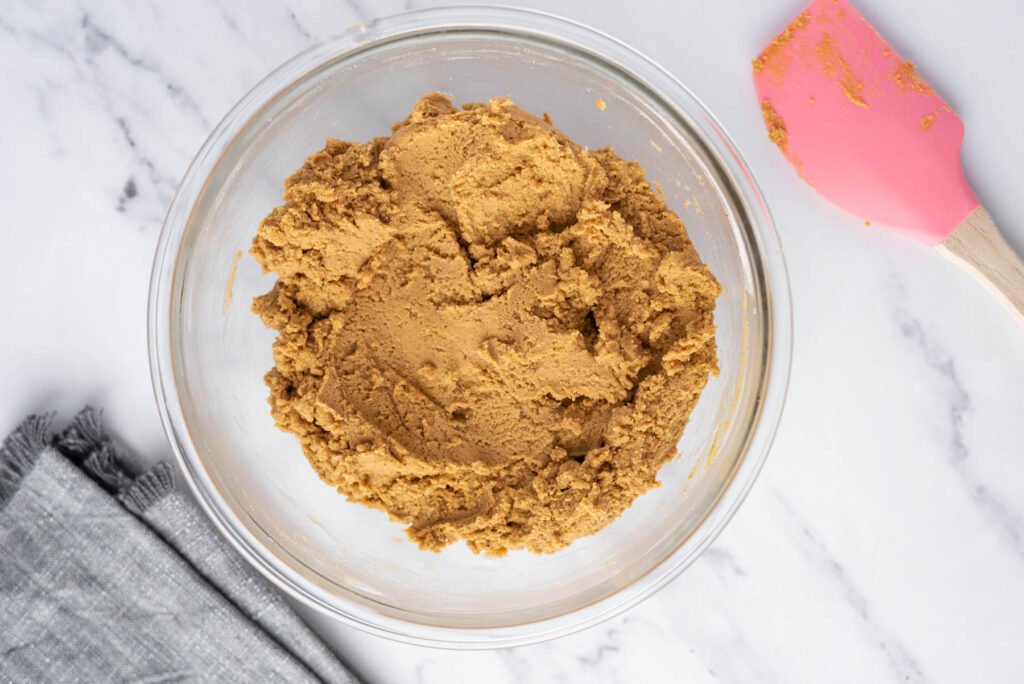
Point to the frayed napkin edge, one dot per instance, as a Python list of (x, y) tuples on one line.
[(20, 451), (85, 443)]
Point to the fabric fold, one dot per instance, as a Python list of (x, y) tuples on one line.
[(109, 574)]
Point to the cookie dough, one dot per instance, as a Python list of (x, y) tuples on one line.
[(485, 330)]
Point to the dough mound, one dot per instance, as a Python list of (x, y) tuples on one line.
[(485, 330)]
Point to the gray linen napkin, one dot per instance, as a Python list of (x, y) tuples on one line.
[(108, 576)]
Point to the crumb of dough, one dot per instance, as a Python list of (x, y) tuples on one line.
[(776, 127), (833, 64), (600, 104), (774, 48), (485, 330), (909, 81)]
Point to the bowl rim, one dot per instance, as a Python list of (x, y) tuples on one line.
[(564, 33)]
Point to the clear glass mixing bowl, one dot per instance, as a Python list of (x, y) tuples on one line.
[(209, 352)]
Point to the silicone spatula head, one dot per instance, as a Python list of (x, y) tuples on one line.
[(859, 124)]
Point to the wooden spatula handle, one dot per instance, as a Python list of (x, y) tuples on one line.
[(978, 248)]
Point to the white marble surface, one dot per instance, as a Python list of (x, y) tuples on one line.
[(884, 540)]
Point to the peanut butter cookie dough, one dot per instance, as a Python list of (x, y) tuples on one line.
[(484, 329)]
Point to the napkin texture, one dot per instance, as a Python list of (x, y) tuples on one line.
[(109, 575)]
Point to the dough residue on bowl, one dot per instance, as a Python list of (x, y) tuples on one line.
[(484, 329)]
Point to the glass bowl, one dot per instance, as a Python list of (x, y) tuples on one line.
[(209, 352)]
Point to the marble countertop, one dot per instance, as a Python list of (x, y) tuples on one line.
[(884, 540)]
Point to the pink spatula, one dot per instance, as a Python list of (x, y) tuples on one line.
[(860, 126)]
